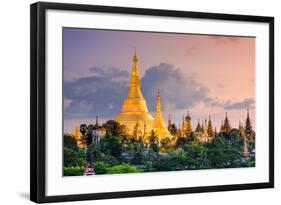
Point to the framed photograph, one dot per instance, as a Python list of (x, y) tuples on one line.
[(129, 102)]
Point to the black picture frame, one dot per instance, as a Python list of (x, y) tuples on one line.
[(38, 100)]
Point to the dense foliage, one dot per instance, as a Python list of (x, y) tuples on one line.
[(118, 152)]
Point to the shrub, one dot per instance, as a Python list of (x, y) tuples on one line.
[(101, 167), (73, 171), (123, 168)]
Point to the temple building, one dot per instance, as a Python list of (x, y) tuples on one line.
[(98, 132), (249, 132), (206, 128), (186, 127), (244, 138), (170, 124), (158, 124), (134, 110), (210, 128), (222, 127), (226, 125), (76, 134), (198, 128)]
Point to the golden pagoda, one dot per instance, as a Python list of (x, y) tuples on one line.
[(76, 134), (134, 110), (158, 123)]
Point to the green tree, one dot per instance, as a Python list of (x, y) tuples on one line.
[(180, 142), (176, 160), (86, 132), (138, 153), (198, 153), (73, 171), (153, 141), (154, 147), (165, 143), (236, 139), (73, 158), (95, 152), (111, 145), (153, 137), (123, 168), (101, 167), (173, 129), (114, 128), (225, 151), (70, 142), (191, 138)]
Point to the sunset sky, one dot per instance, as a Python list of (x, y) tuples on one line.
[(207, 75)]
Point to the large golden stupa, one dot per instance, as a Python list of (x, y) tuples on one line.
[(134, 111)]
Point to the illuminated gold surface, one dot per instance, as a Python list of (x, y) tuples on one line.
[(158, 123), (76, 134), (134, 109)]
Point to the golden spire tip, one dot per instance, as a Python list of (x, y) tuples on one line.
[(135, 55)]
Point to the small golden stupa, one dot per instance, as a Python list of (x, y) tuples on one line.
[(158, 123), (134, 110)]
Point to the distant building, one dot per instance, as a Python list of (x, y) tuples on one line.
[(250, 134), (244, 138), (98, 132), (226, 126)]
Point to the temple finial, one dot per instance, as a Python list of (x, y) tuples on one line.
[(135, 71), (135, 55), (97, 120)]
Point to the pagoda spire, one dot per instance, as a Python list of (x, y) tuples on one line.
[(135, 71), (134, 108), (135, 59), (188, 126), (169, 120), (244, 139), (169, 123), (226, 125), (206, 128), (183, 126), (97, 121), (222, 128), (248, 128), (210, 128), (158, 105), (215, 131), (198, 127), (158, 123)]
